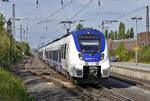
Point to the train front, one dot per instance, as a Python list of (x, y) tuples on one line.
[(91, 58)]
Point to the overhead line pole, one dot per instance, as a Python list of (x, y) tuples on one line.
[(13, 23), (24, 36), (21, 33), (147, 25), (27, 33), (21, 36)]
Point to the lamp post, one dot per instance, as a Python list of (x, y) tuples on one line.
[(136, 52)]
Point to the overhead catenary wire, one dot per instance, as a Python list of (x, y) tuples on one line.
[(128, 13), (51, 15), (77, 13), (57, 11)]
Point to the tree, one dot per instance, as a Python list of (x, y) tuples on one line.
[(106, 34), (79, 26), (111, 35), (121, 31), (9, 54), (115, 35), (2, 23), (128, 34), (131, 33)]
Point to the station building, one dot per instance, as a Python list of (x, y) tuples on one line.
[(144, 38)]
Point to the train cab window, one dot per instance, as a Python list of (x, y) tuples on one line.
[(90, 43)]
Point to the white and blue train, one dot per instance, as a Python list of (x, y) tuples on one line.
[(81, 55)]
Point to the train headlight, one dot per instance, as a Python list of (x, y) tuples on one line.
[(102, 56), (79, 72), (80, 56)]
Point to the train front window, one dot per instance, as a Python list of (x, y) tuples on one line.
[(89, 43)]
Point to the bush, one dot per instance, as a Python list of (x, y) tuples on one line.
[(4, 49), (11, 88), (144, 54), (122, 54), (112, 52)]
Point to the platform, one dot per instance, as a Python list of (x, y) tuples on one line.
[(139, 71)]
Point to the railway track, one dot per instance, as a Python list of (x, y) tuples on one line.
[(90, 93), (50, 77), (113, 95), (133, 81)]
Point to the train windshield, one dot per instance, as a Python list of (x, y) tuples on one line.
[(90, 43)]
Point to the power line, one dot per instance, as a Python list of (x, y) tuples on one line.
[(57, 11), (52, 14), (82, 9), (128, 13)]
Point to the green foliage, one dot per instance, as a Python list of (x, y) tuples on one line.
[(11, 88), (4, 49), (2, 23), (111, 35), (131, 33), (106, 34), (79, 26), (115, 35), (121, 31), (144, 55), (9, 53), (128, 34), (112, 52), (123, 55)]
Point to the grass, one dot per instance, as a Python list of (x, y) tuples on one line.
[(12, 88)]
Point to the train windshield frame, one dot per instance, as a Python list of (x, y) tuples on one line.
[(90, 43)]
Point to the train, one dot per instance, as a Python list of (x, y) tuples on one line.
[(81, 55)]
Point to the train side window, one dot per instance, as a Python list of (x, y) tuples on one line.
[(62, 51), (47, 54), (50, 55), (65, 46)]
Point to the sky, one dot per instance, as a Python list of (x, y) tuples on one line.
[(52, 12)]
